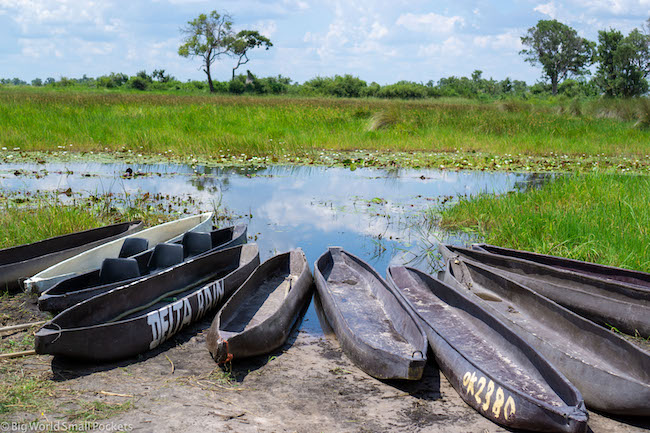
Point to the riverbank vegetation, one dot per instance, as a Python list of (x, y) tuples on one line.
[(597, 218), (216, 126)]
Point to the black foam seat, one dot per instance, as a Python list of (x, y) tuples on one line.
[(166, 255), (196, 243), (114, 270), (133, 246)]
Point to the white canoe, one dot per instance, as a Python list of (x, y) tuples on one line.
[(92, 259)]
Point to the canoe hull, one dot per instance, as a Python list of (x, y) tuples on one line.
[(92, 259), (605, 302), (71, 291), (76, 334), (611, 373), (51, 251), (377, 360), (490, 366), (612, 273), (275, 328)]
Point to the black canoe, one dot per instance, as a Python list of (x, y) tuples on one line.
[(493, 369), (612, 374), (259, 316), (607, 303), (373, 325), (132, 319), (18, 263), (618, 275), (133, 263)]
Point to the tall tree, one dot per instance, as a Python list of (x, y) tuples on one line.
[(558, 49), (623, 63), (245, 41), (208, 37)]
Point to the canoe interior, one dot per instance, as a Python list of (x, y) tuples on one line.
[(193, 244), (262, 294), (481, 339), (141, 296), (365, 303), (552, 324), (64, 242), (626, 276)]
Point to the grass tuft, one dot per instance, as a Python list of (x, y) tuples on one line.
[(598, 218), (383, 119)]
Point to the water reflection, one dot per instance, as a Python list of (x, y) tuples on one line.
[(373, 213)]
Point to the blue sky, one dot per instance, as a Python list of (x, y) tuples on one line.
[(383, 40)]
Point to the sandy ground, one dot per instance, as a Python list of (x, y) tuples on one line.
[(307, 386)]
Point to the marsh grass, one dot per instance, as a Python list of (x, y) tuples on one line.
[(256, 126), (597, 218)]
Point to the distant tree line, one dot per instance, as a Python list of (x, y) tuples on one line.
[(344, 86)]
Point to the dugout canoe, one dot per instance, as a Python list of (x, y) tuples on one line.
[(612, 273), (138, 317), (493, 369), (611, 373), (610, 304), (92, 259), (260, 315), (373, 324), (133, 263), (24, 261)]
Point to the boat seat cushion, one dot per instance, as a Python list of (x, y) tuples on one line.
[(196, 243), (118, 269), (133, 246), (166, 255)]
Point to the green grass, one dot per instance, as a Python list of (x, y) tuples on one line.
[(40, 119), (597, 218), (22, 392), (96, 410)]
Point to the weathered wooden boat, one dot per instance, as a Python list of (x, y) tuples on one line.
[(373, 324), (92, 259), (259, 316), (135, 318), (612, 374), (607, 303), (21, 262), (493, 369), (614, 274), (134, 262)]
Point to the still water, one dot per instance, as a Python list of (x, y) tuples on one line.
[(376, 214)]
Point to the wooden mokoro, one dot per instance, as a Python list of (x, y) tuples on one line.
[(612, 374), (92, 259), (614, 274), (493, 369), (606, 302), (21, 262), (127, 268), (373, 325), (259, 316), (135, 318)]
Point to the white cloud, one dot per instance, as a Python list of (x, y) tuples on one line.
[(617, 7), (547, 9), (37, 48), (452, 47), (430, 23), (508, 41), (266, 27), (30, 13)]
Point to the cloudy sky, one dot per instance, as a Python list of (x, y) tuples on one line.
[(382, 40)]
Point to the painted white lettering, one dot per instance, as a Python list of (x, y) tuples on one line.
[(153, 319)]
